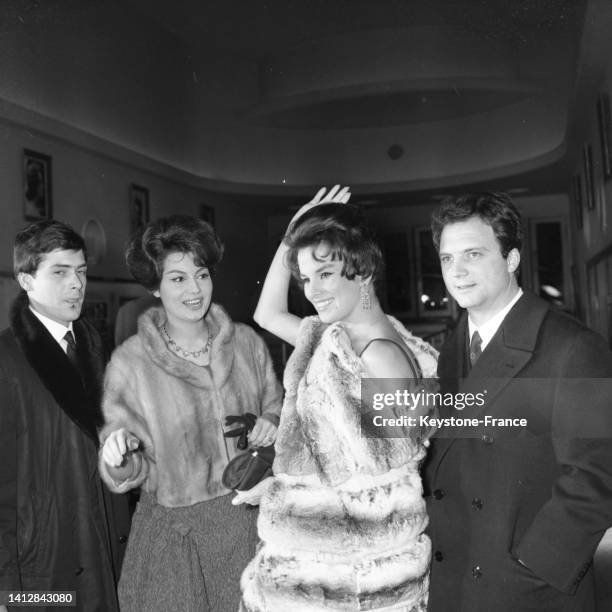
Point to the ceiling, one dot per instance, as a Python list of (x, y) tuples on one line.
[(412, 96)]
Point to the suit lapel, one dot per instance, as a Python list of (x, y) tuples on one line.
[(496, 367), (506, 355), (73, 395)]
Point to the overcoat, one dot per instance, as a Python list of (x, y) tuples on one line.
[(54, 533), (539, 490)]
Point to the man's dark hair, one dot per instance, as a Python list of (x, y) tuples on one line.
[(148, 248), (496, 209), (40, 238)]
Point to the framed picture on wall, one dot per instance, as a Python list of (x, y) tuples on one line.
[(605, 134), (589, 178), (207, 213), (139, 207), (36, 186)]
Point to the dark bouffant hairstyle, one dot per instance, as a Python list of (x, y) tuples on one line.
[(40, 238), (349, 235), (147, 249), (496, 209)]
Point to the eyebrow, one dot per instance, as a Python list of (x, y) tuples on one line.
[(320, 268), (472, 248), (68, 266), (184, 272)]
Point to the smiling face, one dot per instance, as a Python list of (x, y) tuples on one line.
[(185, 289), (474, 270), (57, 288), (335, 297)]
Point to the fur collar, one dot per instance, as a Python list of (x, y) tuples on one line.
[(77, 395), (221, 351), (335, 340)]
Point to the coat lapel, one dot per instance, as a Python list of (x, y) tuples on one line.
[(77, 397), (509, 351)]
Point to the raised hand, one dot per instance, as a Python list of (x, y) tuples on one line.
[(272, 311), (337, 194)]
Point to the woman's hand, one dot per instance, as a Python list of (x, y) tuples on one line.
[(254, 494), (335, 194), (263, 433), (118, 444), (272, 311)]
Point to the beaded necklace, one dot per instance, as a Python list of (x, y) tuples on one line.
[(181, 351)]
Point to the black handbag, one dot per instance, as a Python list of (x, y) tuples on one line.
[(245, 471)]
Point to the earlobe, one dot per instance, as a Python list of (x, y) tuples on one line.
[(155, 293), (25, 281), (513, 260)]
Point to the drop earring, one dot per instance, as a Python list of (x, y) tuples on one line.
[(364, 294)]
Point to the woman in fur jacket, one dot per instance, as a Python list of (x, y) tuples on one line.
[(342, 521), (167, 392)]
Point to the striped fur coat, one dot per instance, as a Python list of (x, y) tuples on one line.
[(342, 523)]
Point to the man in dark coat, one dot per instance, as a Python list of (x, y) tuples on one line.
[(54, 529), (517, 507)]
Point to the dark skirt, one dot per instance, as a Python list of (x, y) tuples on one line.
[(188, 558)]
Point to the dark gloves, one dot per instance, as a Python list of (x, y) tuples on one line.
[(245, 422)]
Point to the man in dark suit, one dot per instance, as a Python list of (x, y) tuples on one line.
[(55, 532), (517, 507)]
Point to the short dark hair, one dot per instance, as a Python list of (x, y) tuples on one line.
[(496, 209), (148, 248), (37, 239), (345, 229)]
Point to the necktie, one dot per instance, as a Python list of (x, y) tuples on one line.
[(475, 347), (71, 349)]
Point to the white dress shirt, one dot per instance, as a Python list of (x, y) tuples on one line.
[(489, 329), (57, 330)]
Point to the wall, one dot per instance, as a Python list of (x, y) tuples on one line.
[(91, 179), (595, 236)]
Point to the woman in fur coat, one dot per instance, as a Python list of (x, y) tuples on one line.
[(167, 392), (342, 521)]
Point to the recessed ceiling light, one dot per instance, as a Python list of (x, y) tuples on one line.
[(395, 151)]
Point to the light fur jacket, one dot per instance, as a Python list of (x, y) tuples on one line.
[(342, 522), (177, 409)]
